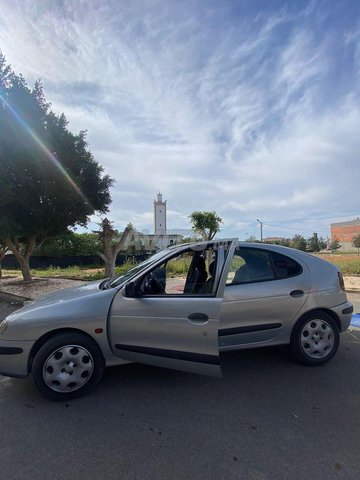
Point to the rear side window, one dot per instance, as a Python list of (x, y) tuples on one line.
[(285, 266), (249, 266)]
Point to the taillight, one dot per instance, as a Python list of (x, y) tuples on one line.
[(341, 281)]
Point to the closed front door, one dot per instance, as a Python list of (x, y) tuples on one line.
[(264, 291)]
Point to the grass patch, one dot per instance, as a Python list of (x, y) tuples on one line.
[(75, 272), (178, 267), (347, 264), (79, 273)]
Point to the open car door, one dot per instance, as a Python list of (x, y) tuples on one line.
[(166, 326)]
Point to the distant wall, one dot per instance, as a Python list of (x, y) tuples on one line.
[(10, 262), (347, 247), (344, 233)]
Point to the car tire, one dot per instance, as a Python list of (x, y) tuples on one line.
[(67, 366), (315, 339)]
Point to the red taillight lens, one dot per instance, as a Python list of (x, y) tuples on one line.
[(341, 281)]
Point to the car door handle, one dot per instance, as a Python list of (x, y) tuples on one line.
[(198, 317), (297, 293)]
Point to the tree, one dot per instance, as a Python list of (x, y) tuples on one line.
[(49, 180), (322, 243), (285, 242), (206, 224), (191, 239), (251, 239), (3, 250), (314, 243), (356, 242), (71, 243), (335, 245), (112, 242), (298, 242)]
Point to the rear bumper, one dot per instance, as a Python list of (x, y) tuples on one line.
[(14, 357), (344, 312)]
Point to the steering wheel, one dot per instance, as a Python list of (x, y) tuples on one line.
[(156, 285), (152, 285)]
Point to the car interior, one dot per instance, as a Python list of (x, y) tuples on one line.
[(260, 265), (257, 267), (198, 280)]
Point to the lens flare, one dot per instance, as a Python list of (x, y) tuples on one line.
[(51, 156)]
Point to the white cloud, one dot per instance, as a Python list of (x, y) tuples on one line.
[(239, 115)]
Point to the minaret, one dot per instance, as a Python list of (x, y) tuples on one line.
[(159, 215)]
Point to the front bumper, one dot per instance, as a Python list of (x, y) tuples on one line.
[(14, 357), (344, 313)]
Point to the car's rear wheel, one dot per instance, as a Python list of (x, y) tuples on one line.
[(315, 339), (67, 366)]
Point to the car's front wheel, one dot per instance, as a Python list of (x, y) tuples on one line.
[(315, 339), (67, 366)]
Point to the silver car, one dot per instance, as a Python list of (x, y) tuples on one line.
[(179, 309)]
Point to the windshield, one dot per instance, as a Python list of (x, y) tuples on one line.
[(119, 279)]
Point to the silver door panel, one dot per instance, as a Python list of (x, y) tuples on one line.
[(264, 304), (156, 330)]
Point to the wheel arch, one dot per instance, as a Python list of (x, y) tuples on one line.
[(329, 312), (52, 333)]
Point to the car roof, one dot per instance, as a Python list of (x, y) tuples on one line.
[(204, 242), (292, 252)]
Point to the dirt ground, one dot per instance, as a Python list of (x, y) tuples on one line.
[(36, 288)]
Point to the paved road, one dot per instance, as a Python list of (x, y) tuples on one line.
[(268, 418)]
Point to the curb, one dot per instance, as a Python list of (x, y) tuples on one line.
[(60, 277), (14, 299)]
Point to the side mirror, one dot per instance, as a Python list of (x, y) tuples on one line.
[(131, 290)]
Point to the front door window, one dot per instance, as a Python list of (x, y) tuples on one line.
[(189, 273)]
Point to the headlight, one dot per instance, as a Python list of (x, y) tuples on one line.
[(3, 326)]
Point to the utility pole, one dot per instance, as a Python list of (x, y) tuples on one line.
[(261, 229)]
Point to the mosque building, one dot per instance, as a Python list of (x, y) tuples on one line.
[(161, 238)]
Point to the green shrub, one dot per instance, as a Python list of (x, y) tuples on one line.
[(125, 267)]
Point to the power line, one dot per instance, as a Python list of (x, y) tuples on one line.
[(295, 228)]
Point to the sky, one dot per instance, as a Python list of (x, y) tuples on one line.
[(250, 108)]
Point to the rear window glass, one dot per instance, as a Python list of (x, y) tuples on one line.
[(285, 266)]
